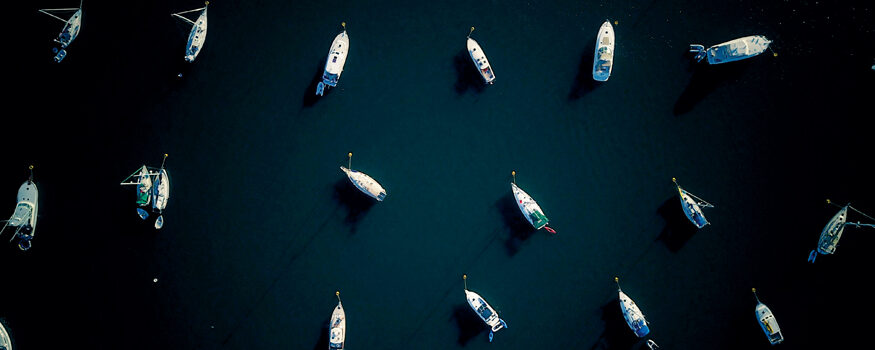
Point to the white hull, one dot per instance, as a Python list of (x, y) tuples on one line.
[(196, 37), (484, 311), (530, 209), (832, 232), (334, 63), (5, 341), (337, 328), (735, 50), (23, 219), (768, 322), (603, 62), (480, 61), (365, 184), (161, 191), (633, 315)]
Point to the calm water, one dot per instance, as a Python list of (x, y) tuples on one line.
[(262, 227)]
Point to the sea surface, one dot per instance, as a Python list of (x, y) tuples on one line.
[(262, 227)]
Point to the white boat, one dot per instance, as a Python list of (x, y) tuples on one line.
[(25, 214), (153, 187), (479, 59), (732, 50), (364, 182), (832, 232), (530, 209), (767, 321), (160, 193), (69, 32), (692, 206), (483, 310), (604, 53), (335, 61), (5, 340), (337, 327), (633, 315), (198, 33)]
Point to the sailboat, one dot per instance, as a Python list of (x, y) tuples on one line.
[(692, 206), (733, 50), (530, 209), (832, 232), (70, 30), (335, 61), (603, 61), (337, 328), (483, 310), (153, 189), (160, 193), (767, 321), (479, 59), (5, 341), (364, 182), (633, 315), (24, 216), (198, 33)]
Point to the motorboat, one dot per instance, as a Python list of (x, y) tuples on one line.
[(198, 33), (633, 315), (692, 206), (733, 50), (363, 182), (603, 61), (530, 209), (5, 340), (69, 32), (479, 59), (337, 327), (832, 232), (767, 321), (335, 61), (484, 310), (24, 217)]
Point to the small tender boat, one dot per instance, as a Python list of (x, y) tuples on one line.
[(364, 182), (337, 328), (634, 318), (25, 214), (335, 61), (692, 206), (5, 340), (767, 321), (479, 59), (604, 53), (70, 31), (198, 33), (530, 209), (484, 310), (732, 50), (832, 232)]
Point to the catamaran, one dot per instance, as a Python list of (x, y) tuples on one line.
[(732, 50), (337, 329), (70, 30), (692, 206), (5, 341), (335, 61), (482, 308), (604, 53), (198, 33), (479, 59), (530, 209), (634, 318), (829, 237), (767, 321), (153, 187), (24, 216), (364, 182)]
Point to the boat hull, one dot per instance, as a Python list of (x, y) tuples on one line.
[(692, 210), (485, 311), (633, 315), (480, 62), (337, 329), (335, 62), (70, 30), (769, 324), (832, 232), (5, 340), (161, 191), (603, 60), (196, 37), (530, 209), (365, 183), (738, 49)]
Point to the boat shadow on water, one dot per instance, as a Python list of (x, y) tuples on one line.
[(357, 204), (470, 326), (706, 78), (583, 82), (322, 343), (467, 77), (616, 334), (678, 229), (518, 228)]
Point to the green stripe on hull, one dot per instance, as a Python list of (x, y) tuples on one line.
[(539, 220), (143, 198)]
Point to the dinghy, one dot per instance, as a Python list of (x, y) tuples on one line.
[(70, 30), (733, 50), (5, 341), (198, 33), (479, 59), (832, 232), (634, 318), (337, 328), (483, 310), (692, 206), (335, 61), (604, 53), (767, 321), (25, 214), (530, 209), (364, 182)]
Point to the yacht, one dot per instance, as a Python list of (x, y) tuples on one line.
[(198, 33), (337, 328), (767, 321), (692, 206), (23, 219), (69, 32), (633, 315), (603, 61), (335, 61), (484, 310), (479, 59), (733, 50), (363, 182), (530, 209)]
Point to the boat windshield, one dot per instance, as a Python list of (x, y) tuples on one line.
[(484, 311)]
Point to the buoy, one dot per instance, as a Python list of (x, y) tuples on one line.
[(827, 201), (513, 173), (179, 75), (775, 54), (674, 180), (472, 31), (465, 280), (343, 24), (155, 280), (30, 167), (616, 279), (616, 22)]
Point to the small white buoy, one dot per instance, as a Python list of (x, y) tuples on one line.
[(179, 75), (154, 280)]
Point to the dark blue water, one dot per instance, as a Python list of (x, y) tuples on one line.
[(262, 227)]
